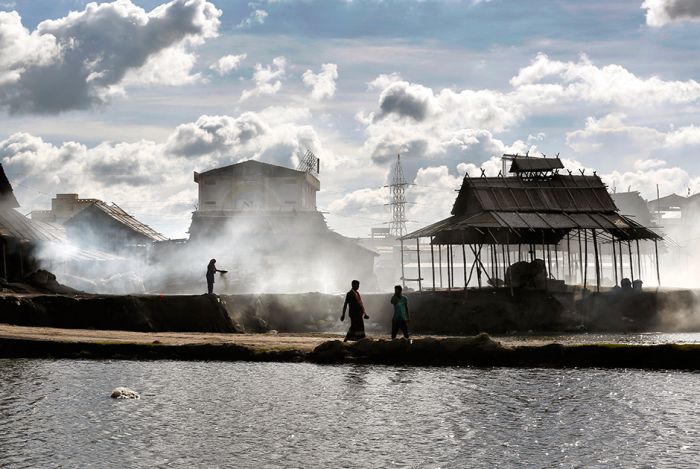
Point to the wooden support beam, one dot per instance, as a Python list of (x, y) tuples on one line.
[(432, 260), (597, 262), (658, 270), (420, 282), (629, 248), (615, 261), (585, 259)]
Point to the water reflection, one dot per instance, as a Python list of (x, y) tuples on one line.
[(58, 413)]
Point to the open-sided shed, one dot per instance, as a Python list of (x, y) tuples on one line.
[(537, 208)]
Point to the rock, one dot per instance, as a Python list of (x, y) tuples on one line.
[(124, 393), (333, 351)]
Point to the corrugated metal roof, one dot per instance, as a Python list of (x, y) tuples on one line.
[(15, 225), (535, 164), (117, 213), (7, 196), (559, 193)]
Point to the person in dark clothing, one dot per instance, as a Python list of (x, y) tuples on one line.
[(400, 319), (211, 270), (357, 313)]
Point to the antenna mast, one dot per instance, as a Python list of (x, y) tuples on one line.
[(309, 164), (397, 188)]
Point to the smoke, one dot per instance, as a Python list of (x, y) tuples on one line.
[(279, 252)]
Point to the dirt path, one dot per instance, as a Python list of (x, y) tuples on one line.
[(303, 342)]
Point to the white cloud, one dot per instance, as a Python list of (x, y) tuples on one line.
[(613, 134), (444, 126), (546, 81), (91, 54), (267, 79), (322, 84), (227, 63), (662, 12), (257, 16)]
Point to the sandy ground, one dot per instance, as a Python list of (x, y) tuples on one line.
[(262, 341)]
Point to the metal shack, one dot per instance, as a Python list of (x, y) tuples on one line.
[(91, 223), (20, 236), (262, 219), (534, 227)]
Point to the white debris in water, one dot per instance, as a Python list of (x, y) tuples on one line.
[(124, 393)]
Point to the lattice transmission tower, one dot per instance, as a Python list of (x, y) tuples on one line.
[(397, 188)]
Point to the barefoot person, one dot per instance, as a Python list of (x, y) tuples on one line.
[(211, 270), (400, 319), (357, 313)]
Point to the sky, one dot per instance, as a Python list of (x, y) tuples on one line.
[(123, 101)]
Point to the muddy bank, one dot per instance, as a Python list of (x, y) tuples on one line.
[(195, 313), (493, 311), (480, 350)]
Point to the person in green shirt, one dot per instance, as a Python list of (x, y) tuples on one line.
[(401, 316)]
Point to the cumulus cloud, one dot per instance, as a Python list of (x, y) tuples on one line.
[(662, 12), (546, 81), (89, 55), (437, 126), (156, 177), (613, 133), (257, 16), (227, 63), (267, 79), (322, 84)]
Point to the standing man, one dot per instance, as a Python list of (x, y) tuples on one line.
[(211, 270), (357, 313), (401, 316)]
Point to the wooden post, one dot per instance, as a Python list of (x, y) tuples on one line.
[(452, 265), (403, 273), (597, 262), (622, 260), (477, 259), (449, 281), (629, 247), (658, 271), (639, 261), (549, 260), (420, 282), (585, 259), (440, 262), (568, 256), (509, 271), (580, 254), (546, 277), (464, 262), (505, 261), (432, 260), (615, 261), (556, 260)]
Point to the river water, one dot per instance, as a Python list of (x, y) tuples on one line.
[(58, 413)]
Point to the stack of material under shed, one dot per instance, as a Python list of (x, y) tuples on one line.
[(536, 207)]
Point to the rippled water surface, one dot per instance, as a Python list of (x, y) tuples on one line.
[(202, 414)]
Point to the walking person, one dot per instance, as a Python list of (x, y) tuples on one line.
[(211, 270), (399, 321), (357, 313)]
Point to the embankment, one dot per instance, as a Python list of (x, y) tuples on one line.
[(146, 313), (443, 313), (480, 350)]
